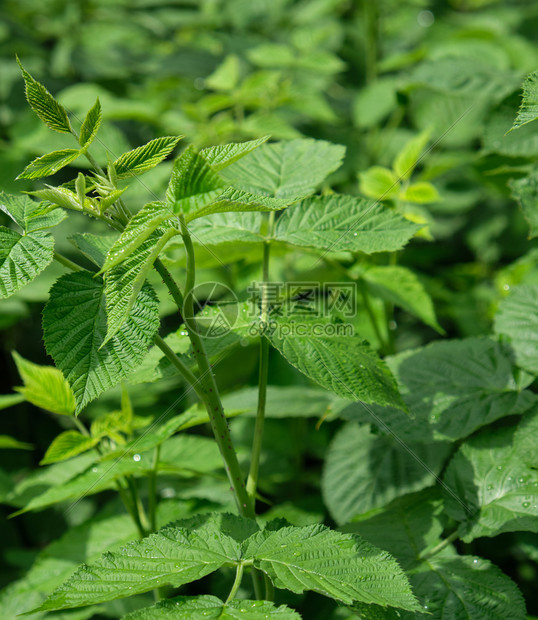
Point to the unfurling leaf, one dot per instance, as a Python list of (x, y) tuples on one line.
[(91, 125), (45, 387)]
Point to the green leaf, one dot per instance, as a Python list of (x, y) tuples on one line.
[(193, 183), (452, 388), (466, 587), (183, 555), (91, 125), (45, 387), (525, 190), (66, 445), (219, 157), (401, 287), (28, 214), (124, 282), (287, 170), (44, 105), (232, 199), (525, 440), (344, 223), (202, 607), (374, 102), (379, 183), (227, 228), (94, 247), (22, 258), (62, 197), (517, 318), (139, 228), (364, 471), (405, 528), (226, 75), (528, 110), (11, 443), (345, 365), (74, 325), (145, 157), (408, 158), (49, 164), (184, 455), (498, 489), (420, 193), (341, 566)]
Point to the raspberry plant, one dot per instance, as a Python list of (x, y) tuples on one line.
[(453, 474)]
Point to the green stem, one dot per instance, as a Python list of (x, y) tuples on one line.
[(189, 376), (444, 543), (152, 491), (212, 400), (269, 588), (253, 475), (80, 426), (129, 506), (63, 260), (171, 285), (371, 19), (236, 583), (371, 315), (138, 506)]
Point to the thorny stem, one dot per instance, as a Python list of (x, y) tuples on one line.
[(212, 400), (444, 543), (181, 367), (236, 583)]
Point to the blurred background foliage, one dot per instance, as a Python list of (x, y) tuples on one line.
[(369, 75)]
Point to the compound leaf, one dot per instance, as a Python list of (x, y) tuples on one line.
[(49, 164), (91, 125), (173, 556), (528, 110), (219, 157), (74, 325), (45, 387), (341, 566), (22, 258), (44, 105), (144, 157), (345, 365), (287, 170), (343, 223), (517, 318), (207, 607)]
